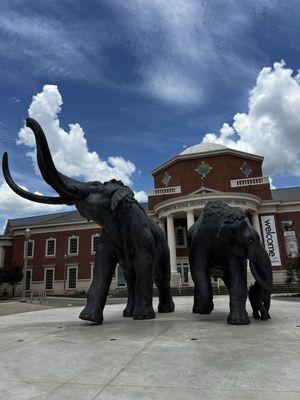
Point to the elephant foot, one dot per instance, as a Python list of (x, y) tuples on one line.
[(203, 308), (166, 307), (238, 318), (89, 315), (143, 313), (128, 311)]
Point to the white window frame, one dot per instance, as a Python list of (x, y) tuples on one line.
[(68, 270), (181, 246), (45, 273), (92, 270), (32, 241), (69, 242), (46, 249), (30, 281), (92, 242)]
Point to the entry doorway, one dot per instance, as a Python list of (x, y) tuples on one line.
[(183, 269)]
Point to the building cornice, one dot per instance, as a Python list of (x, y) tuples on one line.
[(205, 154), (198, 201)]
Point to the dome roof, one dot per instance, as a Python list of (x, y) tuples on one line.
[(203, 148)]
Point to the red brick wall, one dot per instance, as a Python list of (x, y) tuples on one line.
[(224, 168), (40, 261)]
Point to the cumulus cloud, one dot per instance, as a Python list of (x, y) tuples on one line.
[(70, 153), (141, 196), (271, 126), (15, 206), (69, 148)]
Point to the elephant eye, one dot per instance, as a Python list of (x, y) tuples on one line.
[(250, 240)]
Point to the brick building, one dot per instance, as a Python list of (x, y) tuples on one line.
[(62, 246)]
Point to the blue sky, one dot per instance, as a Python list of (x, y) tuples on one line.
[(144, 79)]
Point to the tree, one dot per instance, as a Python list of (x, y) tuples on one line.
[(12, 276)]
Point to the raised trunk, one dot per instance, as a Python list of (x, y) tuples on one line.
[(59, 182)]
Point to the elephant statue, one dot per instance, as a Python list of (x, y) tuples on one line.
[(129, 237), (220, 243)]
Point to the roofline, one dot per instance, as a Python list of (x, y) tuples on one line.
[(206, 154)]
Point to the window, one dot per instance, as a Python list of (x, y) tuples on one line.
[(49, 278), (120, 277), (28, 279), (95, 243), (30, 248), (73, 245), (72, 277), (50, 247), (180, 236)]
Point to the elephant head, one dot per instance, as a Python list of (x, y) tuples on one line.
[(94, 200), (243, 241)]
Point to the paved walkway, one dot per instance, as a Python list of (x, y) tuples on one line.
[(51, 354)]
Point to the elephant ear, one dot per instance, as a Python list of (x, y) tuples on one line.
[(119, 194)]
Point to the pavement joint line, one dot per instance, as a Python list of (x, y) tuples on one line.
[(208, 388), (166, 328)]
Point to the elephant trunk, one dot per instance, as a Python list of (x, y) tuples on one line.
[(261, 267)]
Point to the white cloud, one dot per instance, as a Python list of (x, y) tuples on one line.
[(271, 126), (69, 148), (141, 196), (13, 206)]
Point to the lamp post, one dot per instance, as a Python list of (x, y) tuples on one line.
[(65, 271), (27, 237)]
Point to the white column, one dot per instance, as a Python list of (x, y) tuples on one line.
[(255, 223), (172, 243), (161, 223), (190, 219)]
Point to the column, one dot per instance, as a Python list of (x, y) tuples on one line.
[(255, 223), (172, 243), (161, 223), (1, 256), (189, 219)]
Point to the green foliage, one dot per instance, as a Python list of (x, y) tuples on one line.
[(12, 276), (293, 271)]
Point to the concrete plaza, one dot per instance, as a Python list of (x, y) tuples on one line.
[(51, 354)]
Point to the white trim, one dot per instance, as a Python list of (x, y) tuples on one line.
[(46, 248), (32, 241), (62, 227), (193, 202), (260, 180), (69, 241), (92, 242), (164, 191), (75, 266), (92, 265), (53, 276)]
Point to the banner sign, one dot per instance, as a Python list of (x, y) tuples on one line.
[(291, 244), (270, 239)]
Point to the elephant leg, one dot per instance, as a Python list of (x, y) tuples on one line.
[(162, 280), (144, 269), (238, 292), (105, 264), (130, 281), (260, 302), (203, 294)]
